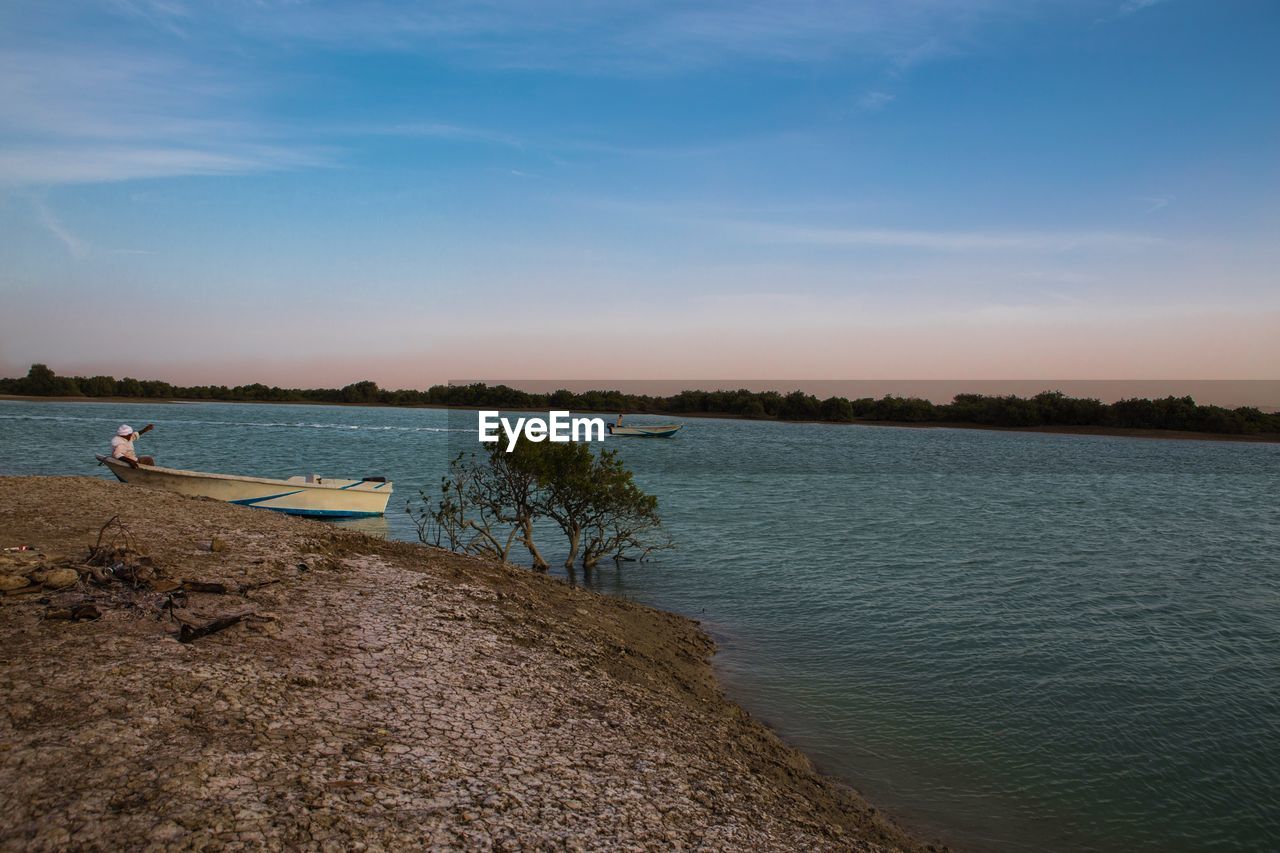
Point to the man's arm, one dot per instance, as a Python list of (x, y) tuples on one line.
[(146, 429)]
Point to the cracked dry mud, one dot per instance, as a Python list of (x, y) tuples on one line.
[(391, 696)]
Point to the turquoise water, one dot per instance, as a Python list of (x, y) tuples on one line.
[(1011, 641)]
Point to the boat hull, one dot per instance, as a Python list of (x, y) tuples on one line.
[(327, 498), (657, 431)]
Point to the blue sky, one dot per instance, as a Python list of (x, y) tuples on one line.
[(316, 193)]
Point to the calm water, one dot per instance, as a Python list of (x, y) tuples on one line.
[(1015, 642)]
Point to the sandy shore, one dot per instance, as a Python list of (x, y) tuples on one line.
[(373, 694)]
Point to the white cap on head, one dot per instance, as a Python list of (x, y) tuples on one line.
[(125, 430)]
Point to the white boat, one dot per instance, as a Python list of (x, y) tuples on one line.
[(311, 495), (646, 430)]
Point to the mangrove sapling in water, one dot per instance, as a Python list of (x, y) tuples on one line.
[(488, 504), (594, 501), (515, 485), (485, 508)]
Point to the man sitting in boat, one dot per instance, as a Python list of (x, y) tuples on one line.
[(122, 446)]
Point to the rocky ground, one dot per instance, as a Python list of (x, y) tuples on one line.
[(203, 676)]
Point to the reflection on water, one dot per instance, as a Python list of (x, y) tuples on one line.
[(375, 526), (1021, 642)]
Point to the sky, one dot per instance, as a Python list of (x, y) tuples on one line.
[(314, 193)]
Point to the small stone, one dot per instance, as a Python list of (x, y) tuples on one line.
[(60, 578), (266, 629), (217, 545)]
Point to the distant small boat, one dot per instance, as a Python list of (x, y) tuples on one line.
[(323, 497), (646, 431)]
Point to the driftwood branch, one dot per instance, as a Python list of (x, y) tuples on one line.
[(189, 630), (216, 588), (122, 541), (205, 586)]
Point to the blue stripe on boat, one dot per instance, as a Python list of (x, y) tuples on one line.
[(255, 501), (322, 513)]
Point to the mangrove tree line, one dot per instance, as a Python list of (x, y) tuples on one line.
[(1050, 408)]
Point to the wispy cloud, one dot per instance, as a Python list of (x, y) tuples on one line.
[(1127, 8), (1156, 202), (77, 113), (98, 163), (102, 90), (74, 245), (945, 241), (163, 14), (1059, 276), (625, 37), (555, 147), (432, 130), (1130, 7), (873, 101), (63, 89)]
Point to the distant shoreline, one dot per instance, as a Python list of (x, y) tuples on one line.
[(1112, 432)]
